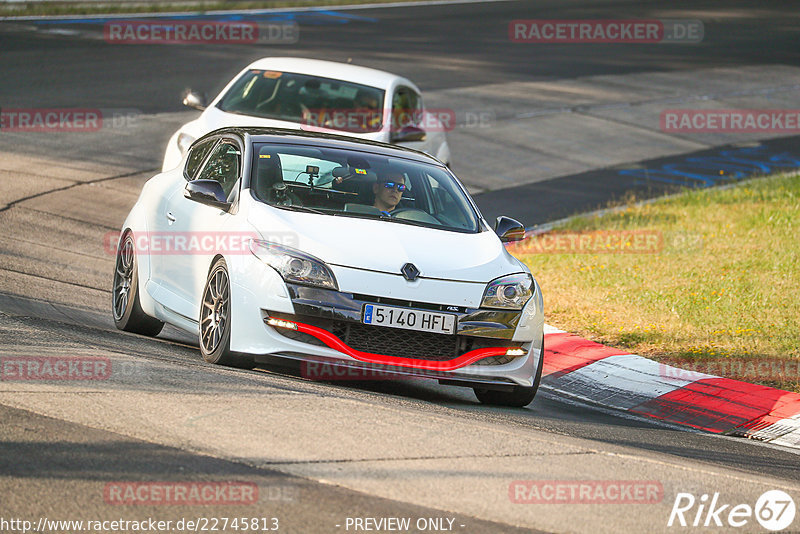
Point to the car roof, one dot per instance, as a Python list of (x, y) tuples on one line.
[(331, 69), (323, 140)]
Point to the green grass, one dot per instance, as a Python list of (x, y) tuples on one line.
[(725, 285), (95, 8)]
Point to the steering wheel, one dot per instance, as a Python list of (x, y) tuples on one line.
[(269, 106), (291, 109), (283, 197), (414, 214)]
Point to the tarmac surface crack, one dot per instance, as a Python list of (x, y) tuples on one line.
[(72, 185), (442, 457), (42, 277)]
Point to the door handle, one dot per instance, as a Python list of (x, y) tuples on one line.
[(170, 217)]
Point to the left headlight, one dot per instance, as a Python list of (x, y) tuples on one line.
[(509, 292), (293, 265), (184, 142)]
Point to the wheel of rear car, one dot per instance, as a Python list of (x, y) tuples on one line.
[(128, 314), (215, 320), (518, 397)]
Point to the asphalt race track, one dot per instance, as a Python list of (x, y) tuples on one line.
[(570, 128)]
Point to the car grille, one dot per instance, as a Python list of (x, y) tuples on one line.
[(495, 360), (396, 342)]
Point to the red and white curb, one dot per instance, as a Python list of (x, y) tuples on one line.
[(612, 378)]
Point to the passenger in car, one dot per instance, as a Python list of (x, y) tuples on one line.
[(368, 104)]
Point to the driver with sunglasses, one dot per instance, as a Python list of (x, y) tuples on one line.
[(388, 191)]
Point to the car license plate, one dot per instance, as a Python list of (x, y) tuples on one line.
[(423, 321)]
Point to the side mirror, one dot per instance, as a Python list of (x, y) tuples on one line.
[(207, 192), (509, 230), (193, 99), (407, 134)]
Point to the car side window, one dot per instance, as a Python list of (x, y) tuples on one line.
[(197, 155), (446, 207), (223, 166), (406, 99)]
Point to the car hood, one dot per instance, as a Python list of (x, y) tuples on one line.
[(383, 246)]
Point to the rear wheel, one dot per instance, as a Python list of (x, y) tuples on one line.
[(215, 320), (128, 314), (518, 397)]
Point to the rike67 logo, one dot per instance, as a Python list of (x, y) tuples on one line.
[(774, 510)]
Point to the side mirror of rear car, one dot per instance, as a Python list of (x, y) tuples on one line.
[(207, 192), (193, 99), (407, 134), (509, 229), (340, 172)]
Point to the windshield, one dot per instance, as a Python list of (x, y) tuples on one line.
[(360, 184), (305, 99)]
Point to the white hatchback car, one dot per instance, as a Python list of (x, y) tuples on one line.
[(275, 245), (322, 96)]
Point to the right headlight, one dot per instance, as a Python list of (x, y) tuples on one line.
[(509, 292), (293, 265)]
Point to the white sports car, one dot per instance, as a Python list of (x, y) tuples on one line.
[(322, 96), (275, 245)]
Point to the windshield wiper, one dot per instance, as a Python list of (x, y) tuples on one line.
[(305, 209), (406, 221), (254, 113)]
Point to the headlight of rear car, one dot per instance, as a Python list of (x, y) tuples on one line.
[(184, 142), (293, 265), (509, 292)]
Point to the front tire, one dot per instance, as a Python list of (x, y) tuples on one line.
[(215, 320), (125, 306), (519, 397)]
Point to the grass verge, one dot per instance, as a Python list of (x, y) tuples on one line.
[(27, 9), (706, 280)]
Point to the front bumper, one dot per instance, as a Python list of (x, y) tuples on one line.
[(333, 334), (332, 319)]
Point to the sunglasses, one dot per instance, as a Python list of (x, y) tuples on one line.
[(393, 185)]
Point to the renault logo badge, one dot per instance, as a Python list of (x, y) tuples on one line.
[(410, 272)]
